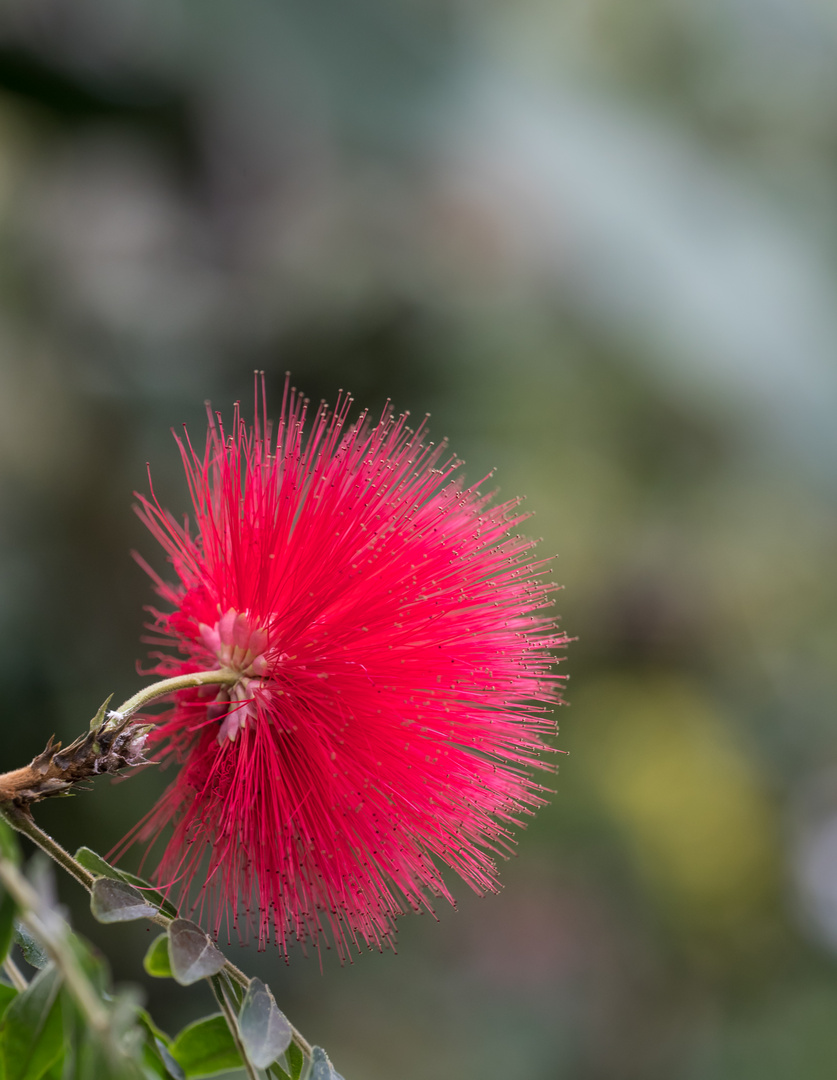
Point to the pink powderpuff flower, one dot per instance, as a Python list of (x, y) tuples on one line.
[(396, 677)]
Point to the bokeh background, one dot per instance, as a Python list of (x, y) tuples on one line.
[(597, 241)]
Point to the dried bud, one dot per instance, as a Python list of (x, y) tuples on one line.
[(107, 748)]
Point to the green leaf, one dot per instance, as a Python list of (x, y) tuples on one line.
[(169, 1063), (277, 1072), (89, 1057), (7, 995), (33, 951), (99, 868), (96, 864), (33, 1032), (206, 1048), (8, 908), (152, 1064), (192, 953), (115, 901), (264, 1030), (99, 718), (9, 847), (156, 1054), (296, 1061), (156, 961), (93, 1062), (157, 1060)]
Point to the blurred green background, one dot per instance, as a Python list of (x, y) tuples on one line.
[(597, 240)]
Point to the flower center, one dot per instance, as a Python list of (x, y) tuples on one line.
[(236, 644), (240, 648)]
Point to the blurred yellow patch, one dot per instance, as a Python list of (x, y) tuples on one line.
[(701, 829)]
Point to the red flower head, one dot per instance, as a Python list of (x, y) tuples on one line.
[(395, 676)]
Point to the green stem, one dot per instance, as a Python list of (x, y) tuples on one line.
[(232, 1024), (20, 818), (217, 677)]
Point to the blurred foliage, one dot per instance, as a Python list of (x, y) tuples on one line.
[(64, 1020), (597, 239)]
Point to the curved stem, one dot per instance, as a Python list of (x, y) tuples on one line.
[(217, 677), (112, 743), (20, 818)]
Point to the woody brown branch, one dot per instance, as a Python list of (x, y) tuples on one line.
[(107, 748)]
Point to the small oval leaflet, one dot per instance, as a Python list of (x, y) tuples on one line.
[(115, 901), (192, 954), (321, 1067), (264, 1030)]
